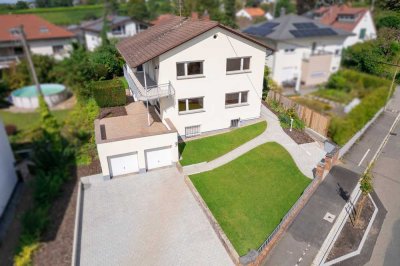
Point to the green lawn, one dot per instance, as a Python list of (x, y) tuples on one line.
[(334, 95), (209, 148), (64, 15), (25, 121), (250, 195)]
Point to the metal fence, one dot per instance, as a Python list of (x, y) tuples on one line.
[(291, 212)]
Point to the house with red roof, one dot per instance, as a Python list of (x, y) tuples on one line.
[(353, 19), (251, 13), (43, 38)]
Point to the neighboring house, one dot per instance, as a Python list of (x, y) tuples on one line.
[(251, 13), (197, 76), (353, 19), (43, 38), (8, 176), (119, 27), (304, 48)]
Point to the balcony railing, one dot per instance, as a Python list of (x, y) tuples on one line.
[(308, 55), (152, 91)]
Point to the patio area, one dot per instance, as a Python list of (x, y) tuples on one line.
[(133, 125)]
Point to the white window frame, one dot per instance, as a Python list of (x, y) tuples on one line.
[(241, 70), (187, 111), (186, 75), (193, 134), (240, 103)]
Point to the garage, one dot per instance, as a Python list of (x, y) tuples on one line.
[(158, 157), (123, 164)]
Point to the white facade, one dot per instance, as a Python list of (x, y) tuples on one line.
[(135, 153), (366, 24), (214, 83), (93, 39), (286, 62), (8, 177)]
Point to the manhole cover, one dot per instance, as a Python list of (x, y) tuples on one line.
[(329, 217)]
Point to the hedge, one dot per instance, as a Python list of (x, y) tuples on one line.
[(109, 93), (341, 129)]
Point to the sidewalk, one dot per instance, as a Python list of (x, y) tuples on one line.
[(302, 241), (306, 156)]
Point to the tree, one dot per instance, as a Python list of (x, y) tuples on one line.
[(304, 6), (390, 4), (157, 7), (21, 5), (390, 21), (137, 9), (366, 187), (287, 5), (230, 10)]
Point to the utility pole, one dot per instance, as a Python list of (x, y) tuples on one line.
[(29, 58), (393, 80)]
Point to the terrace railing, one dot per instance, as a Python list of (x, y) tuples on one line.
[(152, 91)]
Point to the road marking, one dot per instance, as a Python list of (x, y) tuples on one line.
[(365, 155)]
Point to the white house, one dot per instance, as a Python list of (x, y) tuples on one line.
[(357, 20), (252, 13), (119, 27), (197, 76), (305, 51), (8, 177), (43, 38)]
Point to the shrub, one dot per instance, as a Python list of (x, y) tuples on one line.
[(109, 93), (391, 21), (341, 129), (24, 257)]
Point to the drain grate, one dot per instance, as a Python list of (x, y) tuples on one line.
[(329, 217)]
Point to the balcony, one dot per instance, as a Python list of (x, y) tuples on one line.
[(152, 91), (6, 61), (319, 53)]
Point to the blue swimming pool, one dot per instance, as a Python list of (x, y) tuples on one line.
[(26, 97)]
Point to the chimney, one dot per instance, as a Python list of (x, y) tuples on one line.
[(283, 11), (195, 15), (205, 15)]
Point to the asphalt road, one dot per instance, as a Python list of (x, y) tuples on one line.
[(386, 173), (300, 244)]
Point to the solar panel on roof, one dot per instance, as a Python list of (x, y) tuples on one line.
[(258, 31), (269, 25), (312, 32), (307, 25)]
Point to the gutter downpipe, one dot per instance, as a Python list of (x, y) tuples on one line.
[(147, 100)]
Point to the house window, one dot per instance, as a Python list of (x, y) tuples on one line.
[(18, 51), (119, 30), (192, 131), (236, 98), (43, 29), (235, 122), (190, 104), (189, 69), (14, 31), (58, 49), (337, 52), (289, 50), (237, 64), (362, 34)]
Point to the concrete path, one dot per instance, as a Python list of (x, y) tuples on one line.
[(306, 156), (302, 241)]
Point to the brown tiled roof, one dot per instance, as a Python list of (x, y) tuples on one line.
[(35, 28), (161, 38), (255, 11), (330, 14)]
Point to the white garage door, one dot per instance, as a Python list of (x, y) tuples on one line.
[(158, 158), (125, 164)]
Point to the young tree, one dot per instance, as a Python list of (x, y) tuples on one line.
[(137, 9), (366, 187)]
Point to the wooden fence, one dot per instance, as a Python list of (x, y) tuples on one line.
[(312, 119)]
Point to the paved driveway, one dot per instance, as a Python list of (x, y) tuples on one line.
[(146, 219)]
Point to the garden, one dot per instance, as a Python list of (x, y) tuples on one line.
[(250, 195), (62, 141)]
